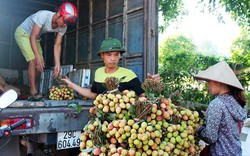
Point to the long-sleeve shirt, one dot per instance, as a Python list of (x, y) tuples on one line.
[(221, 130)]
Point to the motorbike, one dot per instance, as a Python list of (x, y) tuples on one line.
[(6, 99)]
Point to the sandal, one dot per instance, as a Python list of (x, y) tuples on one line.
[(36, 97)]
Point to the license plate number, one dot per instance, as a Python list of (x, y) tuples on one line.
[(68, 139)]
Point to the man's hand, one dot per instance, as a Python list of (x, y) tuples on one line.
[(57, 71), (204, 113), (39, 63), (67, 81), (155, 77)]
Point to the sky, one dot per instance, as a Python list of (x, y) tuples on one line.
[(204, 27)]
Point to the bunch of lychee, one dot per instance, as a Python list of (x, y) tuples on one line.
[(166, 130)]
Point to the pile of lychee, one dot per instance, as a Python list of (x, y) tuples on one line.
[(61, 92), (114, 129)]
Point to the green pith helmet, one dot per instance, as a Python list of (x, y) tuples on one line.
[(111, 44)]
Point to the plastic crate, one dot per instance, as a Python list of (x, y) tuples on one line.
[(85, 77), (46, 81), (80, 77), (65, 69)]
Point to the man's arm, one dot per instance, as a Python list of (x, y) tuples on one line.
[(33, 41), (86, 92), (57, 54)]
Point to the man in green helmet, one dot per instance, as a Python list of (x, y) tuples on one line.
[(110, 51)]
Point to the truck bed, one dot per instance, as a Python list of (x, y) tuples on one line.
[(49, 116)]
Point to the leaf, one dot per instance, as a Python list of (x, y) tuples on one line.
[(79, 109), (132, 110), (99, 123), (99, 114), (87, 150), (72, 105), (126, 116), (111, 116), (86, 127)]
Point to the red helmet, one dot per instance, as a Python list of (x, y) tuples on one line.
[(68, 12)]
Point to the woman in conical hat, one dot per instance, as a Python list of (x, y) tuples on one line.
[(225, 112)]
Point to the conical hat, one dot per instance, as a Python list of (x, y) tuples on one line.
[(220, 72)]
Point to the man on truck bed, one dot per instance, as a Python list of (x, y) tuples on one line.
[(27, 36), (110, 51)]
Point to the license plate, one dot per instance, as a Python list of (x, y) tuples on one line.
[(68, 139)]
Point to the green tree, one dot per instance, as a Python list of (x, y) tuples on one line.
[(171, 9), (239, 9), (178, 62), (241, 57), (175, 51), (241, 60)]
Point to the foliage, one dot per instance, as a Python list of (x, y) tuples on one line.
[(239, 9), (171, 9), (248, 104), (178, 59), (241, 60), (241, 57), (178, 62)]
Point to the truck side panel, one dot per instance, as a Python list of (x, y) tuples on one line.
[(129, 21)]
